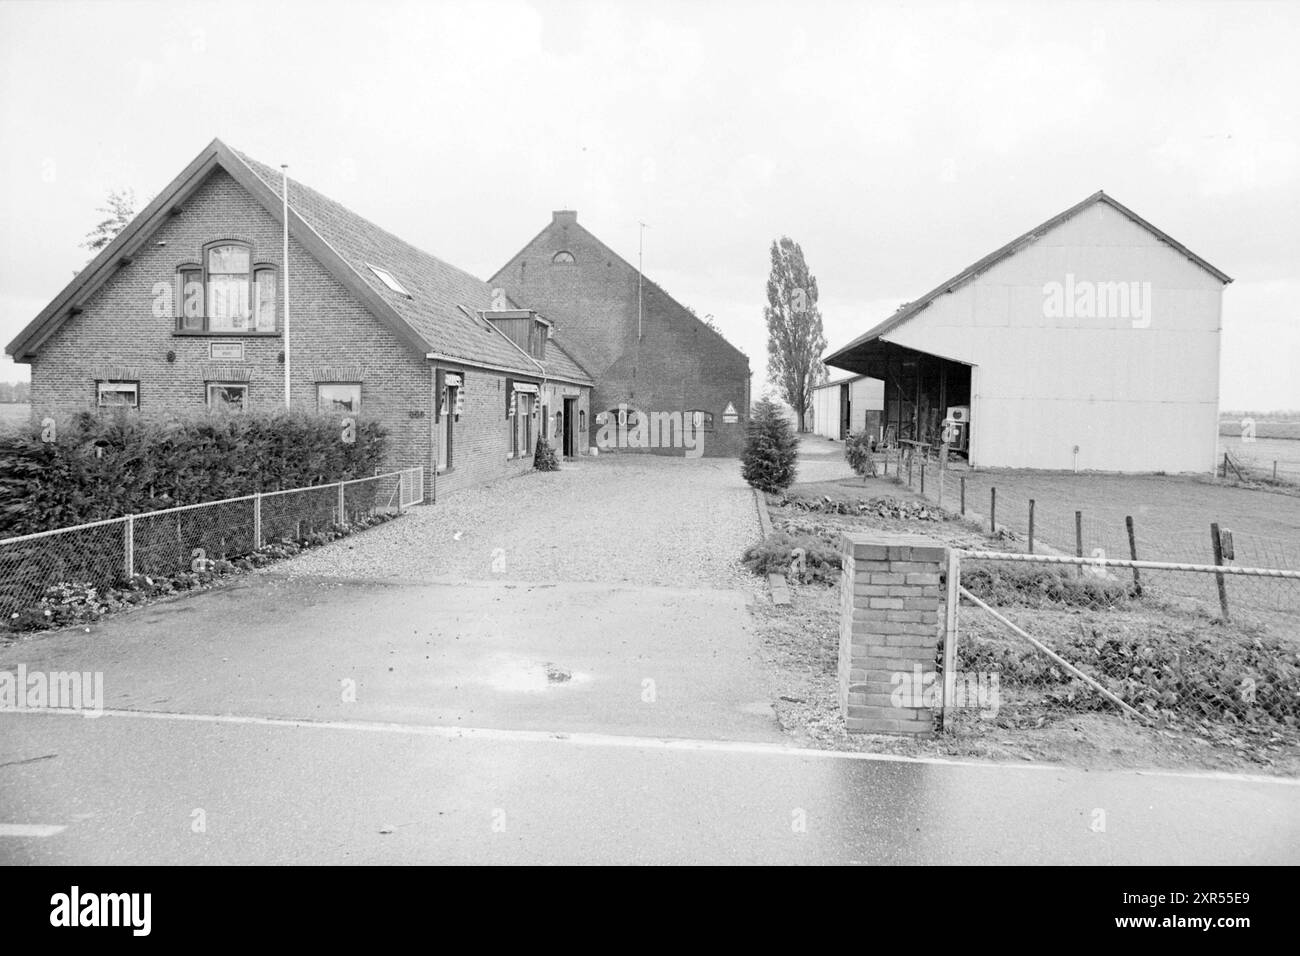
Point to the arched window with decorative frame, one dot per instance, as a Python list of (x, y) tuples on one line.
[(563, 258), (227, 292)]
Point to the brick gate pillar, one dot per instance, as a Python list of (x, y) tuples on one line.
[(889, 631)]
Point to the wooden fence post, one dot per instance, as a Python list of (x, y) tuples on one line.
[(1031, 525), (1217, 543), (963, 494), (1078, 539), (993, 511), (1133, 554)]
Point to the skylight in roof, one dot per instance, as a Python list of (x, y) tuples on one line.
[(387, 279)]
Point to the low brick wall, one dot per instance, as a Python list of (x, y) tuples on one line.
[(890, 598)]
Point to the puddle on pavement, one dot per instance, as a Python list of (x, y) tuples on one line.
[(524, 675)]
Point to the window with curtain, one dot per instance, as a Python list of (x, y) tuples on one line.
[(264, 313), (525, 425), (338, 397), (227, 396), (191, 298), (228, 289), (227, 293)]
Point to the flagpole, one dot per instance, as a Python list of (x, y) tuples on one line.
[(284, 272), (640, 258)]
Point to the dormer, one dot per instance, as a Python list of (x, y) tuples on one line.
[(524, 327)]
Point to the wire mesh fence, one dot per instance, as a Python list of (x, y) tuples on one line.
[(1059, 635), (102, 553), (30, 564)]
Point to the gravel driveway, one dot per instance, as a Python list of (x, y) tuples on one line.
[(622, 519)]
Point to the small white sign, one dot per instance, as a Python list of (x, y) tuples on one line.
[(226, 351), (729, 416)]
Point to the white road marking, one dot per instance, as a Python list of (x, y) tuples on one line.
[(646, 743), (29, 829)]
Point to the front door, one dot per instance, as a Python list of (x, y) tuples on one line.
[(845, 416), (566, 425)]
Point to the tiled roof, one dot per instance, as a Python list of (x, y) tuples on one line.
[(438, 290)]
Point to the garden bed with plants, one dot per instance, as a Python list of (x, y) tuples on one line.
[(73, 604), (1185, 672)]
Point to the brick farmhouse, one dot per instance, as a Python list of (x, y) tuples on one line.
[(648, 353), (185, 311)]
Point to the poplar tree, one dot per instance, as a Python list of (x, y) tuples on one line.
[(795, 340)]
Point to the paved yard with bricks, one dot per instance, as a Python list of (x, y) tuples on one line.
[(638, 520)]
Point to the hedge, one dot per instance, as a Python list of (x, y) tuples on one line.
[(94, 467)]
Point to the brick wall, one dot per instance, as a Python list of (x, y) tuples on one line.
[(890, 598), (678, 364), (330, 330), (481, 436)]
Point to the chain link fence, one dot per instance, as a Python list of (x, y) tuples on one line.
[(159, 543), (1025, 523), (1036, 638)]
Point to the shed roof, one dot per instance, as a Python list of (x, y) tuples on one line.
[(909, 309)]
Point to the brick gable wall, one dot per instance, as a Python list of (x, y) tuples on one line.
[(331, 333), (334, 337), (678, 364)]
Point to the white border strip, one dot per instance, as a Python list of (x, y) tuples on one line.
[(686, 744), (30, 829)]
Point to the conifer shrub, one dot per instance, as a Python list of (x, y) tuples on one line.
[(771, 448)]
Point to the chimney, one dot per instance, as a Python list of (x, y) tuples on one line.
[(564, 217)]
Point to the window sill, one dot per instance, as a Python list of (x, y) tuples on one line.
[(199, 334)]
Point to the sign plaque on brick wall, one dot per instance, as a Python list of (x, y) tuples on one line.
[(729, 416), (226, 351)]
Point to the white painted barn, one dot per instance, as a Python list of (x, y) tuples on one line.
[(845, 404), (1090, 342)]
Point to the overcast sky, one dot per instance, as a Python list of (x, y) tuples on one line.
[(897, 143)]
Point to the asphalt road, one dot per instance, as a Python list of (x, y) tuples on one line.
[(133, 789), (322, 721)]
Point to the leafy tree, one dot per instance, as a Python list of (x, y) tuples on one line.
[(771, 448), (118, 212), (795, 340)]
